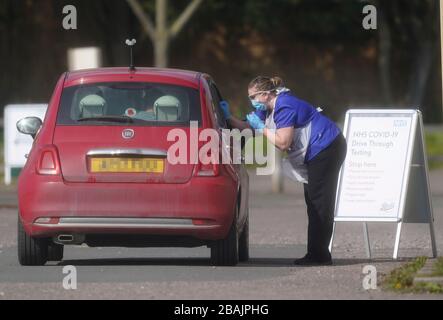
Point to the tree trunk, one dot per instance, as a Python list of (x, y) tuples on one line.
[(161, 52), (421, 72), (161, 42), (384, 56), (161, 35), (423, 40)]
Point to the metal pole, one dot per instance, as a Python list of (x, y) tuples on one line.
[(397, 240), (131, 59), (367, 243)]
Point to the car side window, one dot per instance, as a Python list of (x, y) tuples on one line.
[(216, 98)]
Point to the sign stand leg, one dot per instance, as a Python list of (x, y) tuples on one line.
[(367, 244), (332, 238), (425, 165), (434, 244), (397, 240)]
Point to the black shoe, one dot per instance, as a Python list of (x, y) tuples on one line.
[(308, 260)]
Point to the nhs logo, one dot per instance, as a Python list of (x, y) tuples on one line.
[(400, 123)]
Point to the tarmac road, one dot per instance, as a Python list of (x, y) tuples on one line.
[(278, 235)]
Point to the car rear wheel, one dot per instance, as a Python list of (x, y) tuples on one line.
[(243, 246), (55, 252), (225, 252), (31, 251)]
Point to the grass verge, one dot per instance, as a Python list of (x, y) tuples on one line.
[(438, 268), (401, 280), (434, 149)]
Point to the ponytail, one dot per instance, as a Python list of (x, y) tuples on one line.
[(277, 82), (266, 83)]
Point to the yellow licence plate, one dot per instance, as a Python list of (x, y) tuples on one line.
[(127, 165)]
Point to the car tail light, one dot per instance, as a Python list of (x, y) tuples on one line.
[(48, 162)]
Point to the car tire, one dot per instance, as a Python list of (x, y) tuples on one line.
[(31, 251), (225, 252), (243, 245), (55, 252)]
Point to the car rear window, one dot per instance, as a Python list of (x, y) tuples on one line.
[(146, 104)]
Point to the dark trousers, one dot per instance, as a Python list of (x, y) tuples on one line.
[(323, 171)]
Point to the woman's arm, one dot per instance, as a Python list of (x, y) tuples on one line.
[(232, 121), (281, 138)]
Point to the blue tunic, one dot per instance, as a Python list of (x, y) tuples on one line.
[(293, 112)]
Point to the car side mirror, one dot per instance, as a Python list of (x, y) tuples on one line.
[(29, 125)]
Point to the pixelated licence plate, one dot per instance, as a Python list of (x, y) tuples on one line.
[(126, 165)]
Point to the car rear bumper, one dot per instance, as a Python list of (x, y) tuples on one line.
[(202, 208)]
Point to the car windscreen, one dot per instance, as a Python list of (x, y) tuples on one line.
[(120, 103)]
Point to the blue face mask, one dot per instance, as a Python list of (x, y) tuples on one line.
[(258, 105)]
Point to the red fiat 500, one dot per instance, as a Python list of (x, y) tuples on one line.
[(98, 172)]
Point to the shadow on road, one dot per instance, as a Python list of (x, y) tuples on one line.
[(285, 262), (138, 262), (205, 262)]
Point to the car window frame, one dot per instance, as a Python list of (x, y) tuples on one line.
[(216, 99)]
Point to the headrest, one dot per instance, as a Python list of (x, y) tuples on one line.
[(92, 100), (92, 105), (167, 108), (167, 101)]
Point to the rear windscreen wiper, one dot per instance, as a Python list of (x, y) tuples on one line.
[(122, 119)]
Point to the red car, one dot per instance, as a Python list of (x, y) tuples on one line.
[(98, 172)]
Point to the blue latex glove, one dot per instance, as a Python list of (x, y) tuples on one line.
[(224, 105), (255, 122)]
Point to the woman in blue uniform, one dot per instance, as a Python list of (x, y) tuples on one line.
[(316, 150)]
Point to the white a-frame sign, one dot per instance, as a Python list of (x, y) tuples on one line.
[(385, 175)]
